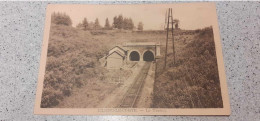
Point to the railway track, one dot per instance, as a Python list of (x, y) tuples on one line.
[(132, 93)]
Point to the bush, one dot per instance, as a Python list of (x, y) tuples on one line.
[(60, 19), (193, 81), (68, 66)]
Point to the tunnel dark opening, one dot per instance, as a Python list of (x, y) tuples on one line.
[(134, 56), (148, 56)]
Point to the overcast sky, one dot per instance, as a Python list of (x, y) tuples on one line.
[(191, 16)]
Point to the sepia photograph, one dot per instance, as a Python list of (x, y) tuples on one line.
[(142, 59)]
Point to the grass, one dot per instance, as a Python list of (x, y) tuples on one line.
[(192, 82), (67, 65), (73, 62)]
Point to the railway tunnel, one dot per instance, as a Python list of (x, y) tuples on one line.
[(142, 51), (134, 56), (148, 56)]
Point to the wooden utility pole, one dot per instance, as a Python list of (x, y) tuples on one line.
[(167, 29), (169, 18), (173, 49), (166, 14)]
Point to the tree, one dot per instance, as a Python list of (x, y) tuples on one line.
[(120, 21), (125, 24), (96, 24), (140, 26), (128, 24), (107, 25), (85, 24), (115, 23), (61, 19), (131, 24), (176, 21)]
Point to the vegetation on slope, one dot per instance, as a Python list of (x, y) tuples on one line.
[(192, 82), (73, 55), (67, 65), (73, 61)]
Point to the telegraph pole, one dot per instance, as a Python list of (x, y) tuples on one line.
[(173, 48), (167, 34), (169, 18)]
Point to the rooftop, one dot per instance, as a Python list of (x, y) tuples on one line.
[(141, 44)]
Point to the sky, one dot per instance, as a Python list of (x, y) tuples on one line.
[(191, 15)]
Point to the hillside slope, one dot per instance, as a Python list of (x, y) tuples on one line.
[(73, 62), (67, 65), (192, 82)]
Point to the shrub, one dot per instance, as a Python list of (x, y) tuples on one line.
[(193, 81), (60, 19), (72, 60)]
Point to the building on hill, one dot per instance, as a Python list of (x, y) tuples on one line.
[(117, 48), (115, 58), (134, 51)]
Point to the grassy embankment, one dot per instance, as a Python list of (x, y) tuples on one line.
[(72, 62), (192, 82)]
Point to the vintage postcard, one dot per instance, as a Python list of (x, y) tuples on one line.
[(142, 59)]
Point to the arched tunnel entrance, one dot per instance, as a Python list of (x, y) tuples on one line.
[(134, 56), (148, 56)]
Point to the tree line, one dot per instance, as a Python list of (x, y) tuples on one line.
[(85, 25), (119, 22)]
